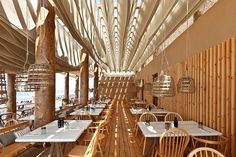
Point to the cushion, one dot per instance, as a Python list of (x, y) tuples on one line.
[(21, 132), (7, 139)]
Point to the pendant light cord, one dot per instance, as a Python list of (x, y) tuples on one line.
[(27, 36), (187, 42)]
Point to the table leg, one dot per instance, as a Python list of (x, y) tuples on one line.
[(144, 145), (56, 149)]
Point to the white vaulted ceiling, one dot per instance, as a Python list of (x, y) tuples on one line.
[(122, 34)]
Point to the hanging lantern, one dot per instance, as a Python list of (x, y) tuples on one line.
[(186, 85), (22, 83), (3, 87), (40, 75), (163, 86)]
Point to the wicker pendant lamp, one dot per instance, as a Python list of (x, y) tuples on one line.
[(163, 85), (186, 84), (21, 82), (40, 75), (3, 87)]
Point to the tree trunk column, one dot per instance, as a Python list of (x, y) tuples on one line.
[(66, 91), (76, 90), (95, 91), (45, 53), (84, 77), (11, 92)]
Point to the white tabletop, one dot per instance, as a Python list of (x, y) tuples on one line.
[(154, 111), (157, 128), (92, 112), (55, 134), (99, 105), (27, 118)]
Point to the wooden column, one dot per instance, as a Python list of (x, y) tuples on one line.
[(66, 90), (84, 77), (95, 91), (11, 92), (45, 53), (76, 89)]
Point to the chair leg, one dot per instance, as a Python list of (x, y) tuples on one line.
[(100, 149)]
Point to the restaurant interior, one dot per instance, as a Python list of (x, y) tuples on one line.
[(151, 78)]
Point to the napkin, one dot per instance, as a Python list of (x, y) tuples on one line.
[(151, 129)]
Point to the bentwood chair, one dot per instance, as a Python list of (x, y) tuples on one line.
[(146, 116), (205, 152), (219, 143), (10, 122), (173, 143), (86, 151), (171, 115)]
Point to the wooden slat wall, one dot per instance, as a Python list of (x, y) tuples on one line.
[(213, 102), (117, 88)]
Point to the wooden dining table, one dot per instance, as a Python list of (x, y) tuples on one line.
[(155, 129), (58, 137)]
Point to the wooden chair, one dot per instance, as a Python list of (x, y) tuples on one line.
[(171, 115), (86, 151), (219, 143), (173, 143), (205, 152), (84, 116), (146, 116), (10, 122)]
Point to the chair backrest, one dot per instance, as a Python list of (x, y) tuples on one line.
[(148, 116), (173, 143), (205, 152), (92, 147), (10, 122), (171, 115), (220, 143)]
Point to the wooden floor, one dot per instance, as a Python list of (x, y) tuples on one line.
[(121, 141)]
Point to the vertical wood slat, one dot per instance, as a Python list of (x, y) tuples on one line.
[(207, 85), (218, 89), (214, 99), (222, 88), (233, 95), (214, 89)]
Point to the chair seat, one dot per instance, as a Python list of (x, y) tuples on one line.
[(78, 151)]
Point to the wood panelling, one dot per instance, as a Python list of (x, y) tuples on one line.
[(213, 101), (118, 88)]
